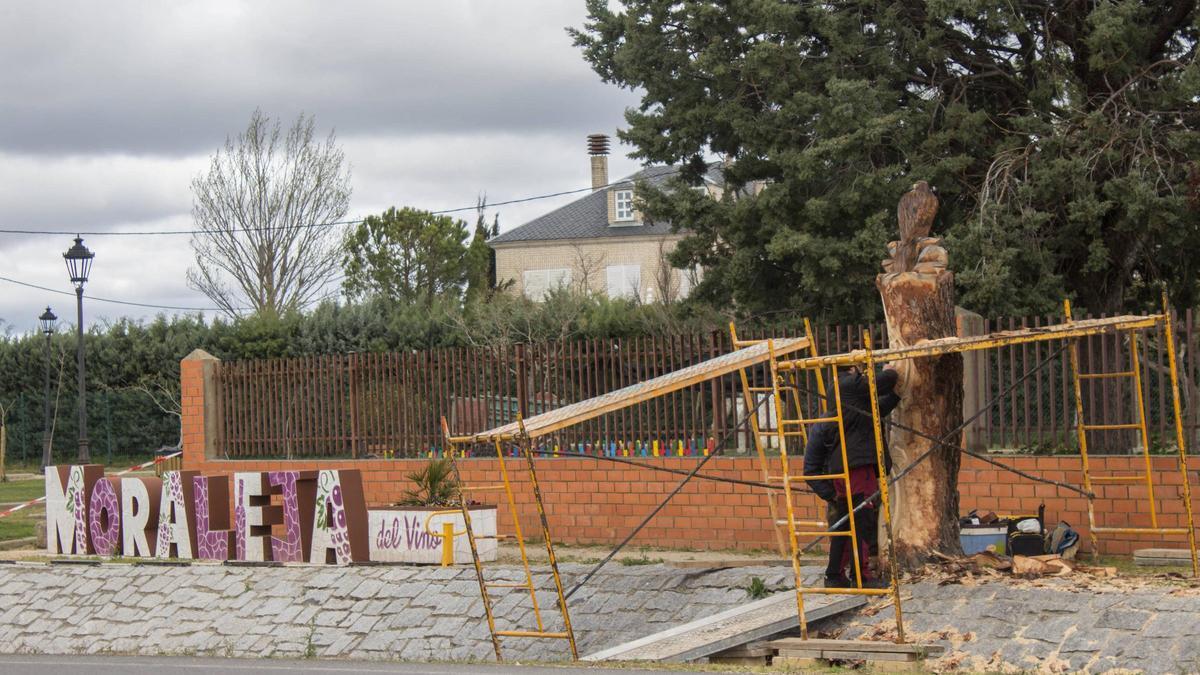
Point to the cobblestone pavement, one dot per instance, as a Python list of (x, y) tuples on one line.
[(435, 614), (1049, 625), (369, 612), (25, 664)]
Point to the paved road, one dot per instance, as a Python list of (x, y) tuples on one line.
[(145, 665)]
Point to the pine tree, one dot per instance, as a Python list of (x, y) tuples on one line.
[(481, 259), (1061, 137)]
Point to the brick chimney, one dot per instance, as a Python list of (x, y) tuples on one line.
[(598, 150)]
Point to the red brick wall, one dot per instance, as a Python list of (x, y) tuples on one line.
[(595, 501)]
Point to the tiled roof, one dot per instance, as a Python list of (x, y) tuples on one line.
[(587, 217)]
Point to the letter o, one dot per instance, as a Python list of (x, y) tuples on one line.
[(104, 518)]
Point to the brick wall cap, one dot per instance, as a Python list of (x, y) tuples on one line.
[(200, 355)]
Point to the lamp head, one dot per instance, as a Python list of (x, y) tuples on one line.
[(47, 320), (79, 262)]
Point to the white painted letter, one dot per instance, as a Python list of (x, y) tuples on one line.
[(139, 515)]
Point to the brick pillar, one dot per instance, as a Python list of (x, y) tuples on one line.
[(198, 401)]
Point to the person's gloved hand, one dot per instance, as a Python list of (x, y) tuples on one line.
[(825, 491)]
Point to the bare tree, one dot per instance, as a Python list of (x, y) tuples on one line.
[(665, 285), (164, 394), (264, 208), (588, 265)]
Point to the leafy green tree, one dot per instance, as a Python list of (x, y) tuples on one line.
[(1061, 136), (407, 255)]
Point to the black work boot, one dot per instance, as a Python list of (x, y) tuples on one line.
[(838, 581)]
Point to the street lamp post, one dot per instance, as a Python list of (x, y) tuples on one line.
[(47, 320), (79, 263)]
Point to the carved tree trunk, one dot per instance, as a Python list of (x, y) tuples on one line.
[(918, 303)]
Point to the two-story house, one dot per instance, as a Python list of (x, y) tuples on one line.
[(598, 243)]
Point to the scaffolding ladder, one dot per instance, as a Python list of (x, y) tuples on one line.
[(1134, 374), (750, 403), (796, 426), (540, 632)]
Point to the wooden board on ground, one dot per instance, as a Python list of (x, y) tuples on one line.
[(851, 650), (751, 654), (1157, 557), (733, 627)]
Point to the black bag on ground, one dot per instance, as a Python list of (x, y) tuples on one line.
[(1027, 543)]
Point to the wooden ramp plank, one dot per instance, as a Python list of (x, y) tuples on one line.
[(807, 652), (733, 627), (953, 345), (1162, 556), (815, 644), (568, 415)]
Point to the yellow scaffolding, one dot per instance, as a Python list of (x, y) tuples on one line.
[(785, 367), (1071, 331), (748, 396), (786, 478), (1147, 478), (567, 633), (523, 431), (790, 423)]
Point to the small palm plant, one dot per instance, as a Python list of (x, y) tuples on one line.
[(435, 485)]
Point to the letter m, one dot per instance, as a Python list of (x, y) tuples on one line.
[(63, 483)]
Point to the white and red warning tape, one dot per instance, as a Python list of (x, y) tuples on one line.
[(131, 469)]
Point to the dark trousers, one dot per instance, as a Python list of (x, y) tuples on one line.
[(841, 556)]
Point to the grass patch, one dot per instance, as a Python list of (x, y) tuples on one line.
[(20, 524), (757, 590), (21, 490), (117, 463)]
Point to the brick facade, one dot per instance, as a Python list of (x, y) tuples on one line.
[(595, 501), (513, 260)]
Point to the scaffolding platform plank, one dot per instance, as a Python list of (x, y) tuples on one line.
[(732, 628), (568, 415), (953, 345)]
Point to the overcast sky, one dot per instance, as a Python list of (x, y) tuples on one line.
[(110, 109)]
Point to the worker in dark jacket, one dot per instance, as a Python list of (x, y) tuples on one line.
[(823, 456)]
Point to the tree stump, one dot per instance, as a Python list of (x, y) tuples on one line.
[(918, 303)]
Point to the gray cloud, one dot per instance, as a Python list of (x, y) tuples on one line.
[(177, 77), (110, 109)]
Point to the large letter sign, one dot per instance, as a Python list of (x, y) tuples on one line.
[(283, 516)]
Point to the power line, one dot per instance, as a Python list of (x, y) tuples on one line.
[(116, 302), (267, 228), (130, 303), (150, 305)]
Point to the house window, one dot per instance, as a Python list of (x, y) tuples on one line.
[(688, 280), (624, 205), (624, 281), (540, 282)]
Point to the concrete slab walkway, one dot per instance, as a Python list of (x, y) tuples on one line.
[(1049, 625)]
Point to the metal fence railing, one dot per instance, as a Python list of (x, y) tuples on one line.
[(389, 404)]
